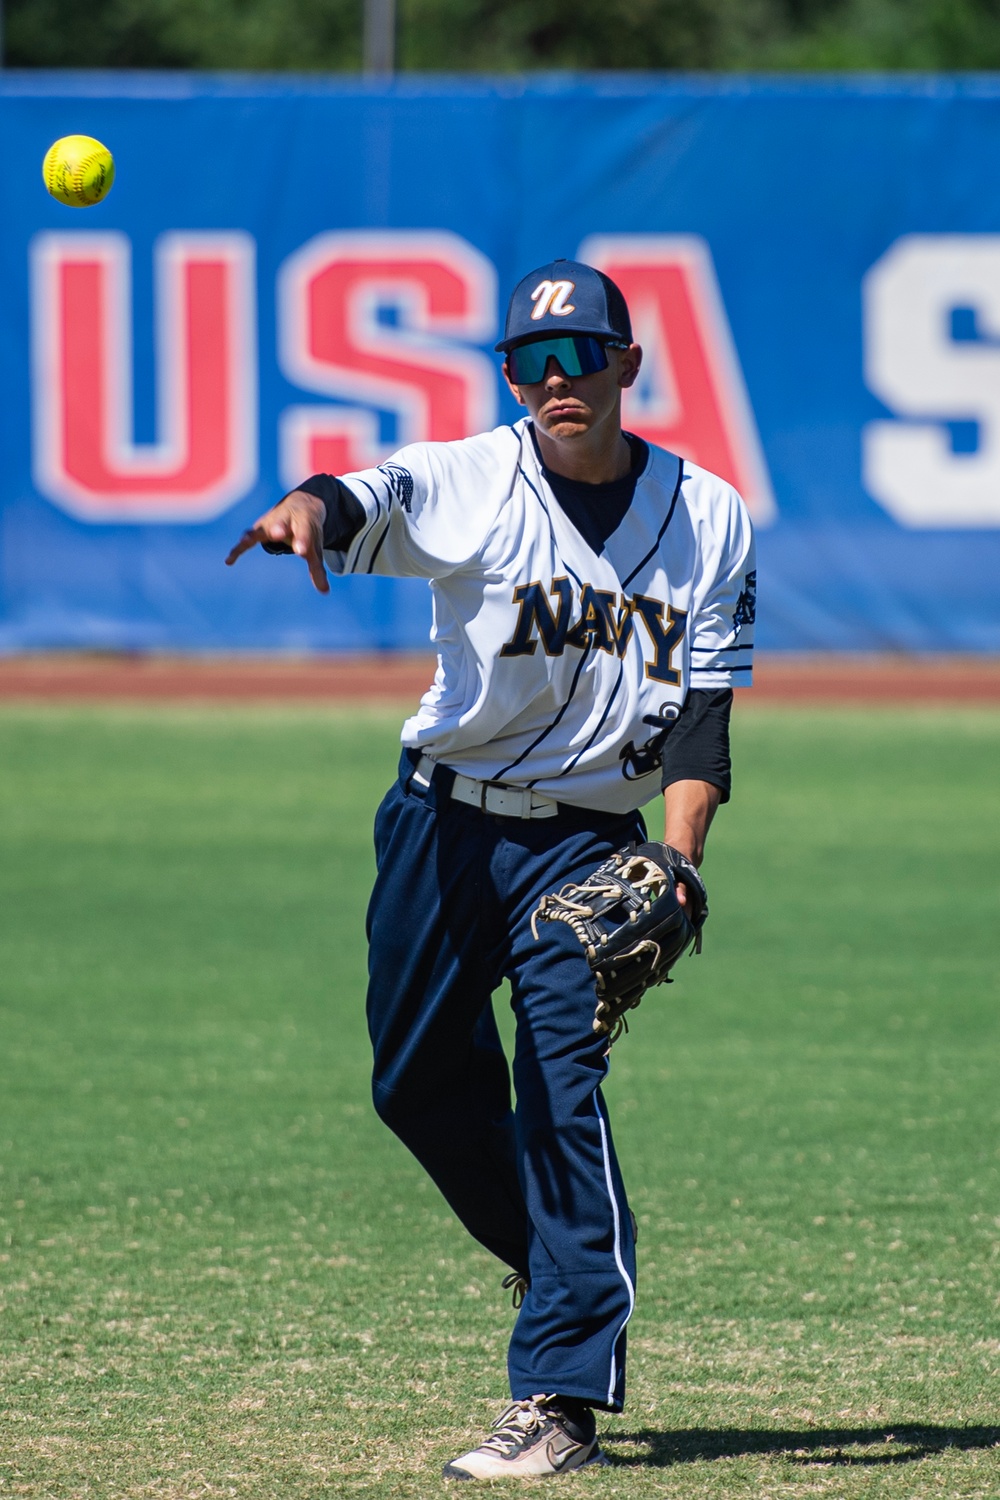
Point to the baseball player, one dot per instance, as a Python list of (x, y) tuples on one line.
[(593, 609)]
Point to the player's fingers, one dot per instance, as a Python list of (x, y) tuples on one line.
[(278, 526), (307, 542), (317, 570), (249, 539), (682, 895), (275, 526)]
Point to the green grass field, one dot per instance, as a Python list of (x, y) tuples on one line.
[(221, 1276)]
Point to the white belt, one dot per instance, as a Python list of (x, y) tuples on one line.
[(491, 796)]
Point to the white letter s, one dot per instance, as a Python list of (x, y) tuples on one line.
[(917, 367)]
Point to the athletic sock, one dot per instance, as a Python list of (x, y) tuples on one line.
[(581, 1424)]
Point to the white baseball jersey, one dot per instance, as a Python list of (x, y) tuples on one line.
[(558, 667)]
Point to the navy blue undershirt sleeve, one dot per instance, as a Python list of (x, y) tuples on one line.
[(697, 747), (345, 515)]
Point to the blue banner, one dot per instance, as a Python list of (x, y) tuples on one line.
[(292, 275)]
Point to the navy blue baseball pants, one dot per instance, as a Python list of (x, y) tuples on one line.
[(537, 1184)]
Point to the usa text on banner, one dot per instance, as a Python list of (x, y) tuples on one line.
[(334, 338), (932, 354), (690, 396), (84, 454)]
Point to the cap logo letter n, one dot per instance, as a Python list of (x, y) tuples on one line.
[(550, 297)]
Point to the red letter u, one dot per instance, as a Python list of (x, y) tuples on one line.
[(205, 454)]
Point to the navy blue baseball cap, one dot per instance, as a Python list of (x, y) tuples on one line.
[(565, 297)]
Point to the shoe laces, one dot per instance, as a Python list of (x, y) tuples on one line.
[(517, 1285), (517, 1422)]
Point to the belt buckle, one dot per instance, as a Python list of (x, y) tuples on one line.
[(485, 787)]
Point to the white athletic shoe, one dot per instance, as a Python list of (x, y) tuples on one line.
[(529, 1438)]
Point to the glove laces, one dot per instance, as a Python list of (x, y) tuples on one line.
[(574, 903)]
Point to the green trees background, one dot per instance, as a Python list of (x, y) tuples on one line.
[(509, 35)]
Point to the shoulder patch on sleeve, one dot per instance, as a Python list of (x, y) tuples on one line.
[(745, 612), (400, 482)]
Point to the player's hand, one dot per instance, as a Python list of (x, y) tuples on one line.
[(298, 521)]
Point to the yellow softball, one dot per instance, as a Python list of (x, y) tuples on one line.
[(78, 170)]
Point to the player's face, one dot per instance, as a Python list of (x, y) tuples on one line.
[(569, 406)]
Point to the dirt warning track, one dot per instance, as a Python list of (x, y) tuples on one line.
[(401, 678)]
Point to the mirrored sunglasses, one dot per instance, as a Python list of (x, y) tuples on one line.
[(577, 354)]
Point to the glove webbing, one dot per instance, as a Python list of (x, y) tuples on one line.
[(569, 905)]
